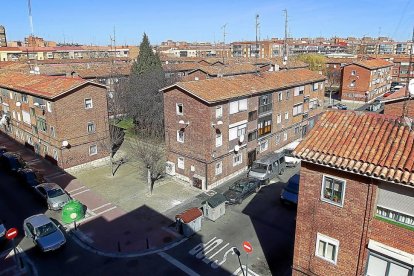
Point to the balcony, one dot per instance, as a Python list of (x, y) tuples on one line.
[(265, 109)]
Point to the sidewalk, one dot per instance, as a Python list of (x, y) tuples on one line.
[(10, 266), (121, 217)]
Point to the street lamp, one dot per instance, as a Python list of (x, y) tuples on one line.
[(237, 252)]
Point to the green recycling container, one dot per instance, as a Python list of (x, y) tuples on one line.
[(73, 211)]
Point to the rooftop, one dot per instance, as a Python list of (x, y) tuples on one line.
[(220, 89), (374, 63), (370, 144)]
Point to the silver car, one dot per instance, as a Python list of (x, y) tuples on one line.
[(54, 195), (43, 232)]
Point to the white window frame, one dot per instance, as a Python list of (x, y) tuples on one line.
[(353, 72), (327, 240), (280, 96), (177, 108), (352, 84), (219, 139), (279, 118), (277, 139), (219, 112), (315, 86), (340, 204), (287, 115), (219, 168), (180, 163), (299, 90), (93, 153), (297, 109), (180, 136), (55, 154), (49, 106), (93, 127), (86, 104), (238, 106), (264, 145), (285, 136), (237, 131), (237, 159)]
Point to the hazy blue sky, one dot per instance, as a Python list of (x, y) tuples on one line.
[(92, 21)]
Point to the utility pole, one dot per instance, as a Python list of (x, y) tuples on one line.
[(286, 51), (224, 39)]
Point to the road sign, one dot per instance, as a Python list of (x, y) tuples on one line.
[(247, 247), (11, 233)]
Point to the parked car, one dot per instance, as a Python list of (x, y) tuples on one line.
[(290, 160), (241, 189), (291, 190), (11, 162), (3, 150), (268, 167), (29, 177), (340, 106), (43, 232), (388, 93), (54, 195), (2, 231)]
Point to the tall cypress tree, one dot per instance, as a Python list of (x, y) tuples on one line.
[(147, 61)]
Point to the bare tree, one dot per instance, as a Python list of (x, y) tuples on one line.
[(152, 154), (333, 80)]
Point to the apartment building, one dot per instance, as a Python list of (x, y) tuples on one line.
[(401, 69), (365, 80), (64, 120), (355, 214), (215, 128), (3, 37)]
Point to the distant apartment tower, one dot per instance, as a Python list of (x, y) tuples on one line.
[(3, 39)]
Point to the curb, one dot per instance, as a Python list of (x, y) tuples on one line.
[(77, 237)]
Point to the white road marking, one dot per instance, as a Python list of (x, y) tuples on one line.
[(97, 208), (178, 264), (77, 189), (96, 215), (81, 192), (239, 272), (107, 210)]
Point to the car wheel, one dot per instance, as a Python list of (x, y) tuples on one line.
[(240, 200), (257, 189), (282, 171), (267, 181)]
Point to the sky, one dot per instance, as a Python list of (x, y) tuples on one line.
[(93, 21)]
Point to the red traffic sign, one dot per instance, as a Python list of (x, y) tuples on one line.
[(11, 233), (247, 247)]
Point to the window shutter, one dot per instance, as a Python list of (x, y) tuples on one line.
[(232, 133), (234, 107), (243, 104)]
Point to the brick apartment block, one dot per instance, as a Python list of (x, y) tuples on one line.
[(365, 80), (42, 112), (355, 212), (206, 120)]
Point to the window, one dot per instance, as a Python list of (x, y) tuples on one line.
[(237, 159), (395, 216), (55, 154), (327, 248), (93, 150), (297, 109), (285, 136), (315, 86), (41, 124), (297, 130), (277, 139), (299, 90), (238, 106), (286, 115), (52, 131), (179, 109), (279, 118), (180, 136), (379, 265), (180, 163), (287, 94), (313, 104), (264, 125), (219, 112), (252, 136), (237, 131), (19, 116), (88, 103), (24, 98), (265, 103), (280, 96), (264, 145), (49, 106), (252, 115), (219, 168), (219, 139), (352, 84), (333, 190), (91, 127), (353, 73)]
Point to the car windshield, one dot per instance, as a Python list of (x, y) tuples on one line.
[(292, 187), (55, 192), (260, 168), (45, 229), (238, 186)]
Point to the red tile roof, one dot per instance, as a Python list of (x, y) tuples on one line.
[(189, 215), (374, 63), (374, 145), (40, 85), (399, 94), (220, 89)]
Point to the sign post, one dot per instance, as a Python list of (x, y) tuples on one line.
[(73, 216), (10, 235), (249, 249)]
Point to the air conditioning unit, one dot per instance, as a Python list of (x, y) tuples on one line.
[(170, 168)]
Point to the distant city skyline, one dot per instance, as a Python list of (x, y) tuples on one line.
[(93, 22)]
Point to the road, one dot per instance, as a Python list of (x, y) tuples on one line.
[(260, 219)]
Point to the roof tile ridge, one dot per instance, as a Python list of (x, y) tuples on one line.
[(389, 139), (379, 128)]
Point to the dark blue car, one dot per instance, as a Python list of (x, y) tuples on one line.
[(29, 177), (11, 162), (291, 190)]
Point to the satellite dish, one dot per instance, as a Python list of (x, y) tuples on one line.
[(236, 148), (219, 123), (36, 104), (241, 139), (65, 143), (18, 104), (411, 87), (181, 122)]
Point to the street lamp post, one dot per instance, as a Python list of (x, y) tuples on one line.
[(237, 252)]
